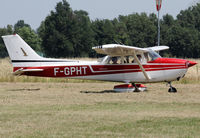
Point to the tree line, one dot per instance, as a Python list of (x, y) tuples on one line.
[(68, 33)]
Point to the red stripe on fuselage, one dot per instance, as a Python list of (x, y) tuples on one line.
[(86, 70), (159, 64)]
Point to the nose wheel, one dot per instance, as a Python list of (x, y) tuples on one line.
[(171, 88)]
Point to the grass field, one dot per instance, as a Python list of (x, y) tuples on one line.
[(92, 110), (29, 108)]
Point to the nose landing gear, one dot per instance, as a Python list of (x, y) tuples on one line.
[(171, 88)]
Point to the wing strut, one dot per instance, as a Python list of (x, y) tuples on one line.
[(141, 67)]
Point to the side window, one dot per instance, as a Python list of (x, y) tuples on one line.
[(115, 60), (126, 59), (129, 60), (142, 57), (147, 57), (139, 56)]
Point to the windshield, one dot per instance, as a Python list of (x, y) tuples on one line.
[(154, 55), (103, 59)]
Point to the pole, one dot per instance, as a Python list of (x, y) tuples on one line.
[(158, 27)]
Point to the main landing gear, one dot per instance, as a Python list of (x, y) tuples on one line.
[(171, 89), (130, 88)]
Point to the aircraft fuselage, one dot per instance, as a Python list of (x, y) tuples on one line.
[(161, 69)]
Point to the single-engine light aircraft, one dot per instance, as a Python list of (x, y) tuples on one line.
[(122, 63)]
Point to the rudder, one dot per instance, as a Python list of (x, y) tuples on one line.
[(18, 49)]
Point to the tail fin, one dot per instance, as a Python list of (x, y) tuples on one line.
[(18, 49)]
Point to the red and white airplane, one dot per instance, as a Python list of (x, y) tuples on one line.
[(125, 64)]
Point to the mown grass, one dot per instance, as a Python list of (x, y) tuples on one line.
[(156, 127), (84, 110), (193, 74)]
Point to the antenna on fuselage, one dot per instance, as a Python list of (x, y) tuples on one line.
[(118, 42)]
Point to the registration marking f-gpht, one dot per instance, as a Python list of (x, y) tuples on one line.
[(70, 71)]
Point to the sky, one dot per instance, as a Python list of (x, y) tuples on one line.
[(33, 12)]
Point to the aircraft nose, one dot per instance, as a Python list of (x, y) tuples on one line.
[(190, 63)]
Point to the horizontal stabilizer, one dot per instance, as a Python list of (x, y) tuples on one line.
[(21, 71)]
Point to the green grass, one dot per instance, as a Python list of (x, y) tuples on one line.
[(98, 120), (156, 127), (66, 110)]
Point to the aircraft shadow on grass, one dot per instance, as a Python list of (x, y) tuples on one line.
[(105, 91), (25, 89), (98, 92)]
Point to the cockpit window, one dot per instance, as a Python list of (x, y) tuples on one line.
[(101, 59), (105, 59), (154, 55)]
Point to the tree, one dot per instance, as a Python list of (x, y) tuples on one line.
[(66, 33), (30, 37), (4, 31), (183, 42), (21, 24), (83, 34), (141, 30), (121, 31), (166, 23)]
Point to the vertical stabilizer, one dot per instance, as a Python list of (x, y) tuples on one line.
[(18, 49)]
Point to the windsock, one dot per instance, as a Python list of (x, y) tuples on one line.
[(158, 4)]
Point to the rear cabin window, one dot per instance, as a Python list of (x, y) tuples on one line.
[(115, 60)]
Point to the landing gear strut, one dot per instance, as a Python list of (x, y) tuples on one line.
[(171, 89), (136, 88)]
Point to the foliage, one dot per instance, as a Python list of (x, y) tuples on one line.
[(142, 30), (25, 31), (4, 31), (20, 24), (68, 33), (30, 37), (183, 42)]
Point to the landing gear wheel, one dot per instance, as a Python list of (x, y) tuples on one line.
[(136, 90), (139, 87), (172, 90)]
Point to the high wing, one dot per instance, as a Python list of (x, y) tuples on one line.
[(21, 70), (123, 50), (117, 50), (158, 48)]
